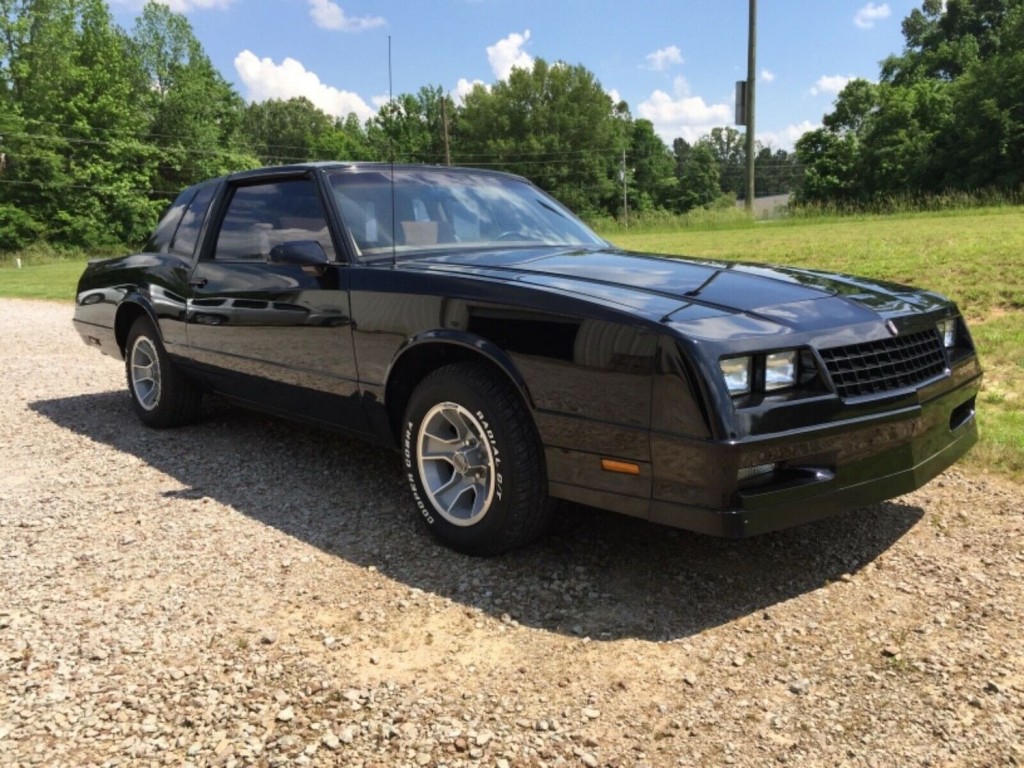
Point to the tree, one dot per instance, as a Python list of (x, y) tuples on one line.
[(853, 107), (194, 115), (651, 168), (410, 128), (986, 142), (943, 39), (946, 115), (729, 148), (347, 140), (829, 159), (553, 123), (700, 180), (898, 148), (778, 172), (289, 131), (78, 163)]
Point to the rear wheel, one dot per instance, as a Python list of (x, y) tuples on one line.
[(161, 395), (474, 462)]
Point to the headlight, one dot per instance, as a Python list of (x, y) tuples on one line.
[(947, 330), (780, 370), (736, 371), (766, 372)]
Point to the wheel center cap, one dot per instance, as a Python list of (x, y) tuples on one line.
[(460, 462)]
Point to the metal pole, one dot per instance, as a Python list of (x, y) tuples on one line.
[(751, 82)]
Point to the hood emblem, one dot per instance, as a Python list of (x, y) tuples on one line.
[(892, 327)]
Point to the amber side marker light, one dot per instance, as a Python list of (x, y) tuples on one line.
[(622, 467)]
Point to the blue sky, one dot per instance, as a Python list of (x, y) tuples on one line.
[(675, 62)]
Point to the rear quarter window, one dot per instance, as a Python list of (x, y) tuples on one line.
[(187, 235), (161, 238)]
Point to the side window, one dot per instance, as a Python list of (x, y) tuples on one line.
[(260, 216), (161, 238), (184, 242)]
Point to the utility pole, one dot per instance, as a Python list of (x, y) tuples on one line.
[(625, 200), (444, 125), (751, 82)]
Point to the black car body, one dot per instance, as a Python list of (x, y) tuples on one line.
[(513, 356)]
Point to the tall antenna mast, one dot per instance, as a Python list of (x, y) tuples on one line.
[(391, 152)]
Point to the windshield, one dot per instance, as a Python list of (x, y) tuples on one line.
[(435, 209)]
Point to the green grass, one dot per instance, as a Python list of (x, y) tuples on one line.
[(974, 256), (56, 280), (45, 272)]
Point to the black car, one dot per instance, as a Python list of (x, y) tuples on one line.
[(514, 357)]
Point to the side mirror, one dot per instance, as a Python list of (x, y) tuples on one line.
[(303, 253)]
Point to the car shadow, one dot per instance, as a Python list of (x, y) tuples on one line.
[(598, 574)]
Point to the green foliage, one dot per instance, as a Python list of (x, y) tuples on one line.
[(411, 127), (17, 229), (944, 40), (652, 170), (285, 131), (946, 115), (194, 116), (700, 178), (99, 128), (73, 77), (729, 149), (554, 124)]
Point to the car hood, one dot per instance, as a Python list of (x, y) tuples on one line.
[(679, 290)]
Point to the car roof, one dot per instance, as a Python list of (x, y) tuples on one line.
[(298, 168)]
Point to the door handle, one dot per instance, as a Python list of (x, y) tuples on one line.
[(198, 282)]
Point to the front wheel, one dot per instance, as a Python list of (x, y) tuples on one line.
[(474, 462), (161, 395)]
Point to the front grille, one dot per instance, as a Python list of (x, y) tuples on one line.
[(883, 366)]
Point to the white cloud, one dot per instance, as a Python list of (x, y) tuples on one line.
[(683, 115), (508, 54), (614, 95), (329, 15), (768, 77), (786, 138), (264, 80), (663, 58), (866, 17), (830, 84), (464, 86)]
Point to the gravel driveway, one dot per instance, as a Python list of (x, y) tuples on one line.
[(250, 592)]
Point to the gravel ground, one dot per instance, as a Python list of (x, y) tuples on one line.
[(250, 592)]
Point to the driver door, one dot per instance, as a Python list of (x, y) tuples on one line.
[(276, 335)]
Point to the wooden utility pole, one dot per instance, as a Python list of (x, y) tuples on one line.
[(444, 125), (751, 82)]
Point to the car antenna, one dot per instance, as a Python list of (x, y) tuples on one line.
[(391, 153)]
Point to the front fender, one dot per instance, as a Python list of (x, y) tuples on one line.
[(470, 346)]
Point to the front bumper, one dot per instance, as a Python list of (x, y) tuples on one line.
[(821, 471)]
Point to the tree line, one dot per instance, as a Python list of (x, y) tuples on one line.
[(947, 114), (100, 127)]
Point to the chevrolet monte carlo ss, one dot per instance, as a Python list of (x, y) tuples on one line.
[(514, 357)]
